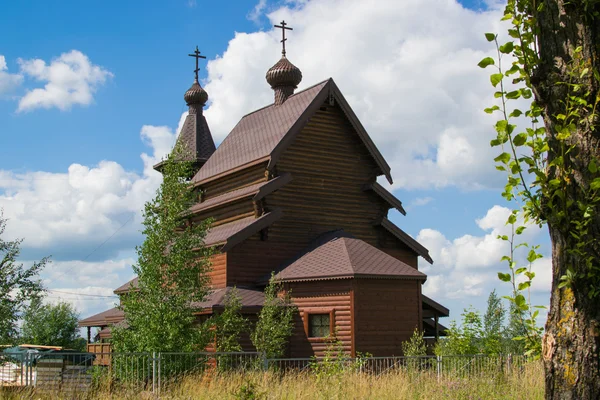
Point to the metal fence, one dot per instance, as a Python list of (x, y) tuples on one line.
[(79, 372)]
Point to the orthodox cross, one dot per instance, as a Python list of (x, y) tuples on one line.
[(197, 56), (283, 39)]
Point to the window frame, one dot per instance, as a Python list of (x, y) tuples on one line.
[(319, 311)]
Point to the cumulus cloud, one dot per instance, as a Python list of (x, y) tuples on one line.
[(257, 11), (466, 267), (412, 80), (71, 79), (77, 209), (8, 81)]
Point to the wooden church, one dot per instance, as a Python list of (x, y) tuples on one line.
[(293, 189)]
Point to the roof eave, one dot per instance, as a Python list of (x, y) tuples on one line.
[(406, 239), (386, 195)]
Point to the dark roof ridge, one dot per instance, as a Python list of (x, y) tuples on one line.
[(406, 239), (295, 94)]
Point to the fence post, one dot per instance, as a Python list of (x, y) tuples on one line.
[(439, 367), (159, 372), (508, 363), (153, 372), (265, 361)]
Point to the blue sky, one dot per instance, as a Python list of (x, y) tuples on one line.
[(91, 94)]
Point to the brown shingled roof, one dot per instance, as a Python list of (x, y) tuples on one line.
[(104, 318), (258, 190), (216, 299), (235, 232), (337, 255), (266, 133), (132, 284)]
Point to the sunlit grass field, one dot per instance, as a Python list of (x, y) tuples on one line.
[(524, 383)]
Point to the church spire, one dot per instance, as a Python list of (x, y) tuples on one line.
[(195, 135), (284, 76)]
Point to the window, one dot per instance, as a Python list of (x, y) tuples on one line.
[(319, 325)]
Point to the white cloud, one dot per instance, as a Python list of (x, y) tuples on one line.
[(420, 201), (75, 210), (412, 80), (8, 81), (257, 11), (467, 266), (71, 79)]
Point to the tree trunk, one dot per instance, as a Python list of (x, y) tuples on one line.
[(571, 345)]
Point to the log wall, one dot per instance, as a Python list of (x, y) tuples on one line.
[(235, 180), (218, 272), (386, 314), (321, 297)]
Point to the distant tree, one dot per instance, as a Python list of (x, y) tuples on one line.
[(230, 324), (51, 325), (515, 331), (415, 346), (171, 268), (275, 321), (493, 325), (18, 285), (464, 339)]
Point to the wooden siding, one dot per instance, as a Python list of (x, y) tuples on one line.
[(386, 313), (330, 166), (321, 297), (228, 212), (218, 272), (237, 180)]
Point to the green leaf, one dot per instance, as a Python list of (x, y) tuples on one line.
[(595, 185), (520, 230), (504, 277), (496, 79), (503, 158), (524, 285), (507, 47), (515, 94), (497, 95), (520, 270), (490, 37), (592, 167), (485, 62), (520, 139), (516, 113), (490, 110)]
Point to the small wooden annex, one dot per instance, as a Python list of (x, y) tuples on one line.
[(293, 189)]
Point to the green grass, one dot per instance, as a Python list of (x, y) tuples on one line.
[(522, 384)]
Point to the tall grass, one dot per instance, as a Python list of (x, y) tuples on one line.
[(525, 383)]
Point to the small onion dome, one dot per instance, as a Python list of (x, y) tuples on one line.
[(284, 73), (195, 95)]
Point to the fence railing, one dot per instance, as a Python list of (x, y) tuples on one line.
[(58, 371)]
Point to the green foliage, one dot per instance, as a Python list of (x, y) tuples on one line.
[(464, 339), (172, 270), (415, 346), (18, 285), (248, 391), (230, 324), (493, 325), (275, 321), (334, 362), (51, 325)]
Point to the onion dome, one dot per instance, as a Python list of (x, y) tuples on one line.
[(283, 77), (284, 73), (195, 95)]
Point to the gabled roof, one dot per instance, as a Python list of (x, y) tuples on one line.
[(385, 195), (429, 303), (104, 318), (258, 191), (132, 284), (266, 133), (235, 232), (406, 239), (216, 299), (338, 255)]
